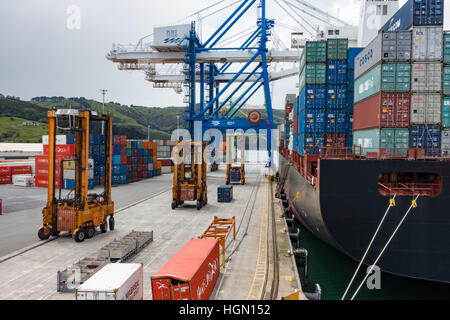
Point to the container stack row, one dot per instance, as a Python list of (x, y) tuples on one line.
[(134, 160), (322, 115), (445, 135), (64, 151), (399, 84)]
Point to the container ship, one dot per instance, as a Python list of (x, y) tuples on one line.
[(368, 133)]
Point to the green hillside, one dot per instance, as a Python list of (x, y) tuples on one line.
[(131, 121)]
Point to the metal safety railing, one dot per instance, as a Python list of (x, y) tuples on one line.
[(220, 229)]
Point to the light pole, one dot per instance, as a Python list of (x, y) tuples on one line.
[(103, 91), (148, 132)]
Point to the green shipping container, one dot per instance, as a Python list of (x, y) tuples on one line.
[(316, 51), (367, 140), (447, 48), (313, 73), (396, 141), (446, 81), (446, 112), (386, 77), (337, 49)]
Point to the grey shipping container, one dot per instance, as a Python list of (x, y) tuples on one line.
[(387, 46), (426, 77), (427, 43), (445, 142), (426, 108)]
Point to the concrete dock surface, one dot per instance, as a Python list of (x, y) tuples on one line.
[(32, 274)]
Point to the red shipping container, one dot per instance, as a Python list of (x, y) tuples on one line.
[(5, 171), (21, 170), (140, 174), (145, 173), (140, 167), (134, 152), (288, 109), (129, 167), (295, 125), (42, 171), (123, 150), (129, 160), (190, 274), (140, 160), (123, 159), (150, 152), (5, 180), (385, 110), (43, 182), (102, 180), (335, 140), (134, 175), (63, 149)]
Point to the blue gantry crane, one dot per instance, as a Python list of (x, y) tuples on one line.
[(218, 79)]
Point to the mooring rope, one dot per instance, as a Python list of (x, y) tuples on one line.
[(391, 204), (413, 205)]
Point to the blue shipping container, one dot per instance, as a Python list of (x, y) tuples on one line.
[(426, 137), (337, 72), (116, 159), (123, 169), (101, 139), (417, 13), (311, 143), (336, 97), (116, 169), (225, 193), (352, 53), (312, 97), (336, 121), (70, 139), (350, 103), (116, 149), (349, 122)]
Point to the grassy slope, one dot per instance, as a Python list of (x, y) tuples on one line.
[(11, 130)]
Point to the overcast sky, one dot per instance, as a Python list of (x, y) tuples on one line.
[(40, 55)]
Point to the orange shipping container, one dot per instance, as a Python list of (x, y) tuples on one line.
[(190, 274)]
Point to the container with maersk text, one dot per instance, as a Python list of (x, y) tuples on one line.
[(190, 274), (115, 281)]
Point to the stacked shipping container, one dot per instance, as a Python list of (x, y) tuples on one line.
[(398, 86), (445, 135), (131, 161), (322, 115)]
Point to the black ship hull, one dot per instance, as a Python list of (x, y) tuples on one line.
[(348, 208)]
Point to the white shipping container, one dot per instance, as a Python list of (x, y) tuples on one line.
[(60, 139), (425, 108), (426, 77), (23, 180), (150, 166), (70, 174), (427, 43), (170, 38), (115, 281), (166, 169), (445, 142)]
